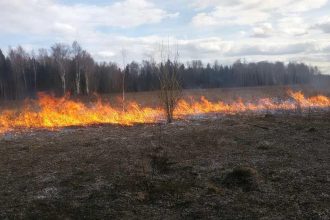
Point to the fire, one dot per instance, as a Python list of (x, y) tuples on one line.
[(49, 113), (204, 106)]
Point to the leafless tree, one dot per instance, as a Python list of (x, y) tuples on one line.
[(2, 76), (43, 56), (77, 56), (34, 67), (124, 56), (60, 54), (170, 88), (18, 58), (88, 68)]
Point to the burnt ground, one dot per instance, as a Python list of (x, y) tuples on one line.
[(236, 167)]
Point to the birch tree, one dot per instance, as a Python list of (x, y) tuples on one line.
[(88, 69), (77, 56), (60, 54)]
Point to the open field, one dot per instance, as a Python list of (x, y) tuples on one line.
[(224, 94), (232, 167), (218, 94), (171, 171), (151, 99)]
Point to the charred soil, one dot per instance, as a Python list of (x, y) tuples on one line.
[(233, 167)]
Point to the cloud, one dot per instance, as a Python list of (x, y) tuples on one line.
[(325, 27), (304, 5), (47, 16), (104, 55), (212, 48), (269, 49), (202, 4), (231, 15), (263, 31), (292, 25), (63, 28), (279, 5), (248, 12), (323, 24)]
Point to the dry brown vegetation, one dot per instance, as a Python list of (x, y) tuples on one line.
[(225, 94), (233, 167)]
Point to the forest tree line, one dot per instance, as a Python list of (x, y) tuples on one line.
[(71, 69)]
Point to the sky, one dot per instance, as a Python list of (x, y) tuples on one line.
[(209, 30)]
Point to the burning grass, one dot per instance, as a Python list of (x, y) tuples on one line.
[(48, 112)]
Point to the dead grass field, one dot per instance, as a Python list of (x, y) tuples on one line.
[(224, 94), (151, 99), (233, 167)]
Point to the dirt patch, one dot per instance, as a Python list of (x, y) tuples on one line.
[(246, 178)]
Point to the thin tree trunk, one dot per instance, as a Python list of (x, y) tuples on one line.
[(24, 78), (35, 75), (124, 91), (63, 83), (78, 83), (1, 89), (87, 83), (77, 78)]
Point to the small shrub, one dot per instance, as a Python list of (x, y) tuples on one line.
[(168, 190), (244, 177), (265, 145), (160, 163), (312, 130)]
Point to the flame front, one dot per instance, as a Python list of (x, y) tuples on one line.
[(49, 112), (298, 100)]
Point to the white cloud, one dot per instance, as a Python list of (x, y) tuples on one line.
[(278, 5), (38, 16), (262, 31), (268, 49), (249, 12), (282, 28), (63, 28), (104, 55), (209, 49), (292, 25), (323, 24), (202, 4), (305, 5), (203, 19), (231, 15)]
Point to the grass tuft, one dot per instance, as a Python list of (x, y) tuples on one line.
[(246, 178)]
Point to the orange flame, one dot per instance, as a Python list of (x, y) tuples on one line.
[(49, 112), (266, 104)]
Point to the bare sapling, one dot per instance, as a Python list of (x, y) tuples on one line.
[(170, 88), (124, 55)]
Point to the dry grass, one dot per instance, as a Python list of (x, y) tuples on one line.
[(225, 94), (246, 178), (177, 172)]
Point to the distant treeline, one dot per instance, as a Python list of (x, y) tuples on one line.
[(64, 69)]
